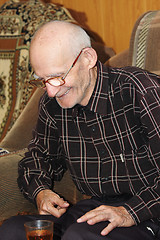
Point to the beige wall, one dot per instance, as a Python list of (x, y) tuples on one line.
[(112, 20)]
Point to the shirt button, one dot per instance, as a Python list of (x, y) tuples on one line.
[(106, 178), (80, 112), (93, 129)]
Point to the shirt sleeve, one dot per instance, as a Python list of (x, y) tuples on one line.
[(146, 203), (44, 162)]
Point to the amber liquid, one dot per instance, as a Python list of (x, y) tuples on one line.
[(40, 235)]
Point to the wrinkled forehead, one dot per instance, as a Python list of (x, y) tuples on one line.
[(49, 57), (50, 54), (50, 45)]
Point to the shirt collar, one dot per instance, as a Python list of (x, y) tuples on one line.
[(98, 100)]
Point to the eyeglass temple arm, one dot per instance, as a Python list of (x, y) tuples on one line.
[(73, 63)]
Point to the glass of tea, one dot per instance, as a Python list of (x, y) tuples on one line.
[(39, 230)]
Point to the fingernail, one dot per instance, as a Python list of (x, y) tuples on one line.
[(66, 203), (103, 233), (79, 220), (89, 221)]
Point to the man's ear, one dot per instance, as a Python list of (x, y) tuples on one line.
[(91, 56)]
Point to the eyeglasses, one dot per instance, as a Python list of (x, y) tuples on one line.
[(53, 81)]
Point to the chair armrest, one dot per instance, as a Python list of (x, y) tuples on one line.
[(118, 60), (12, 202), (21, 132)]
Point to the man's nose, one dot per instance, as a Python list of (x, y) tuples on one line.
[(51, 90)]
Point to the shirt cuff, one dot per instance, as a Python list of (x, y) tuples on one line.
[(138, 209)]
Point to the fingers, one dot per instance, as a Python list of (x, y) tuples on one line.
[(50, 209), (108, 229), (117, 216), (94, 216), (49, 202)]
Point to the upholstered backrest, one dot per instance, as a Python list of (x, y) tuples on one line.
[(144, 51), (18, 22)]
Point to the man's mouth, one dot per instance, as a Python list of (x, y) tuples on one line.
[(64, 93)]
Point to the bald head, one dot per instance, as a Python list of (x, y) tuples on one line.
[(54, 48), (61, 36)]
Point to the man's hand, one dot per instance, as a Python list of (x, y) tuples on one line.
[(49, 202), (117, 216)]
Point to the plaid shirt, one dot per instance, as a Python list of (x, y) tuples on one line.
[(111, 146)]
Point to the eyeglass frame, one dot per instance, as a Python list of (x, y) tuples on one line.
[(34, 81)]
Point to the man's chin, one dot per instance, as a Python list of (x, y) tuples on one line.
[(65, 104)]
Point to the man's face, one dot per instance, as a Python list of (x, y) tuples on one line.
[(78, 85)]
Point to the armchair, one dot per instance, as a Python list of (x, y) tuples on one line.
[(143, 52), (144, 46)]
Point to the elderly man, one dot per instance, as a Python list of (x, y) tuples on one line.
[(103, 124)]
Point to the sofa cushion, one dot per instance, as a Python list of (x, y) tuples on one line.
[(21, 132), (12, 201)]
